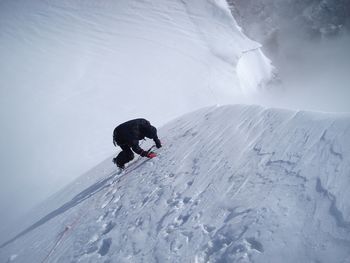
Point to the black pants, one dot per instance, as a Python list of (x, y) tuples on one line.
[(125, 156)]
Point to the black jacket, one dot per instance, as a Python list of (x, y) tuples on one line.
[(129, 133)]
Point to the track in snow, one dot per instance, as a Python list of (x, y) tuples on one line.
[(233, 183)]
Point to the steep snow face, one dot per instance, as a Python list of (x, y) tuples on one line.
[(72, 70), (231, 184)]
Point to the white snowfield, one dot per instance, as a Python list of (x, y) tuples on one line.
[(231, 184), (71, 70)]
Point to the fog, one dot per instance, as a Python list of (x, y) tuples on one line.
[(308, 43), (312, 74)]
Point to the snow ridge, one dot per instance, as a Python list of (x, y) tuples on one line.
[(231, 184)]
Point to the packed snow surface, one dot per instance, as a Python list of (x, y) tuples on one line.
[(231, 184)]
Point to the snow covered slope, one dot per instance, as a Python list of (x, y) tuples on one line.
[(70, 71), (231, 184)]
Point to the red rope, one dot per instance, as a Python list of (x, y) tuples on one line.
[(62, 235), (71, 227)]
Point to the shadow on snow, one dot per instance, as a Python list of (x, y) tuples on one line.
[(83, 195)]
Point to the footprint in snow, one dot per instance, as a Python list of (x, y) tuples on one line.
[(190, 183), (91, 248), (115, 211), (116, 199), (187, 200), (102, 217), (255, 244), (180, 220), (106, 244), (92, 245), (208, 228), (12, 258), (107, 202), (108, 227)]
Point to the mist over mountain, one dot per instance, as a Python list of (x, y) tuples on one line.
[(313, 19), (308, 43)]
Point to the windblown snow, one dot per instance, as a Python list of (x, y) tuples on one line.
[(231, 184)]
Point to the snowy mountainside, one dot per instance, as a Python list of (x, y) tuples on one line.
[(231, 184), (68, 67)]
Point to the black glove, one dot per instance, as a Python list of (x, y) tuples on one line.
[(143, 153), (158, 143)]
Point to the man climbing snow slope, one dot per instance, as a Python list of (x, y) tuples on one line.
[(127, 136)]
